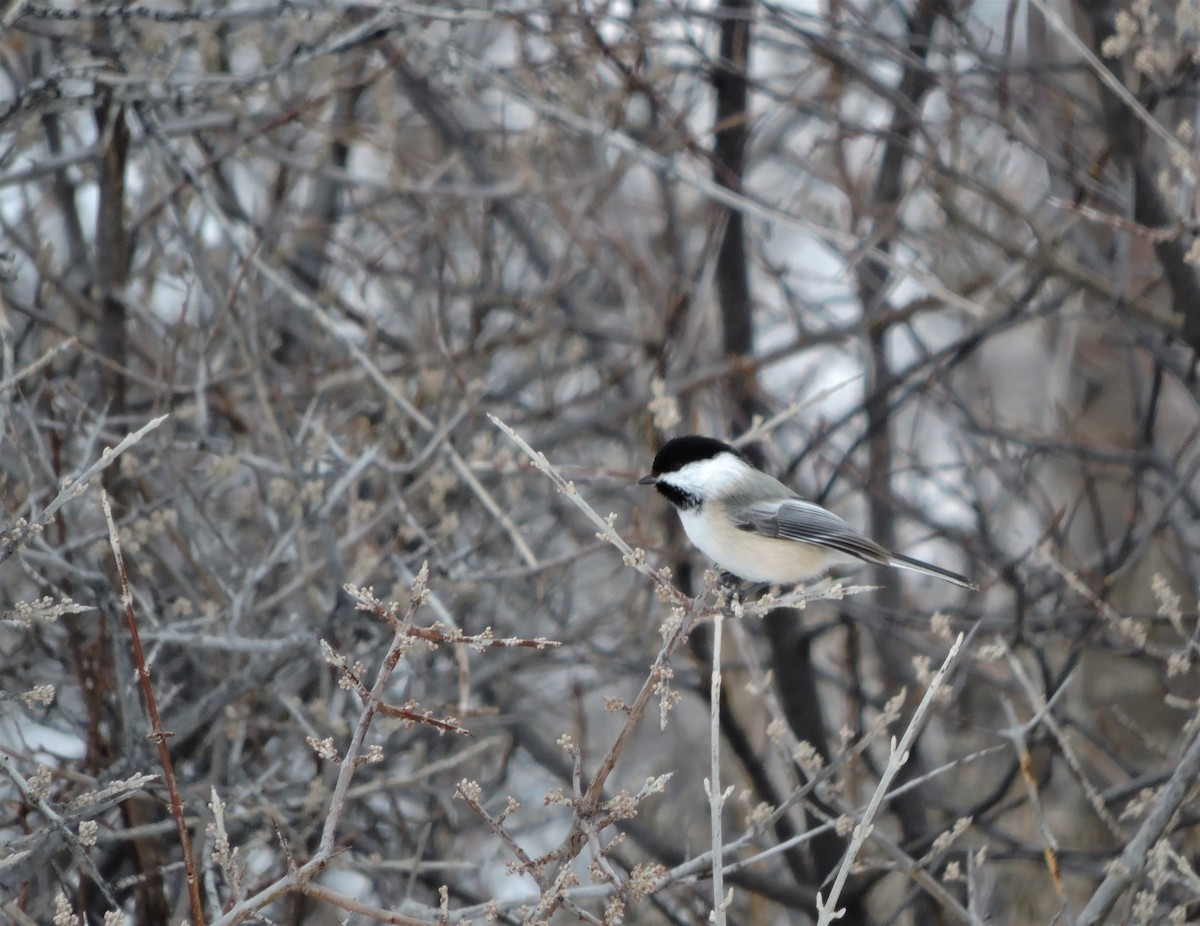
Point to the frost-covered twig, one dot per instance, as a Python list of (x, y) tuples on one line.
[(657, 681), (635, 558), (700, 866), (31, 797), (791, 747), (73, 488), (350, 762), (338, 331), (300, 878), (1132, 861), (30, 368), (717, 797), (827, 910)]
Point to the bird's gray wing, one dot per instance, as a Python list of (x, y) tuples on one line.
[(796, 519)]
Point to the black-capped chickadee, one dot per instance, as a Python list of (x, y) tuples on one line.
[(754, 526)]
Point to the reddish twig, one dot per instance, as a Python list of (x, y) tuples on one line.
[(469, 792), (156, 729), (411, 714), (438, 633), (686, 612), (301, 878), (323, 892)]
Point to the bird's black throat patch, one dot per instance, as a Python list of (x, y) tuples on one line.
[(684, 501)]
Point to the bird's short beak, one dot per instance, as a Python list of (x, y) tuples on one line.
[(648, 480)]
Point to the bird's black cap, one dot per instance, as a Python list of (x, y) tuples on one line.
[(678, 452)]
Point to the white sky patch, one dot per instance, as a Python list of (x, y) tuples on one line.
[(24, 735)]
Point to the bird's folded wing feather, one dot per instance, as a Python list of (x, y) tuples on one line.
[(796, 519)]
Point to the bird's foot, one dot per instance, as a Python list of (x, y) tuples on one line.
[(733, 587), (727, 580)]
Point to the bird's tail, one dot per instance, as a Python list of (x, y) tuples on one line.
[(907, 562)]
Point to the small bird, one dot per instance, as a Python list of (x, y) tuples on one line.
[(754, 526)]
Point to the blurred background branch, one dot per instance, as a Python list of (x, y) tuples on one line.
[(940, 258)]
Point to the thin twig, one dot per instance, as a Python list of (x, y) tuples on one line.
[(656, 683), (1133, 859), (700, 866), (336, 330), (31, 368), (827, 910), (469, 792), (1044, 715), (320, 891), (300, 878), (12, 541), (789, 745), (56, 821), (716, 798), (157, 733), (1049, 841), (633, 557), (1180, 154), (350, 763)]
